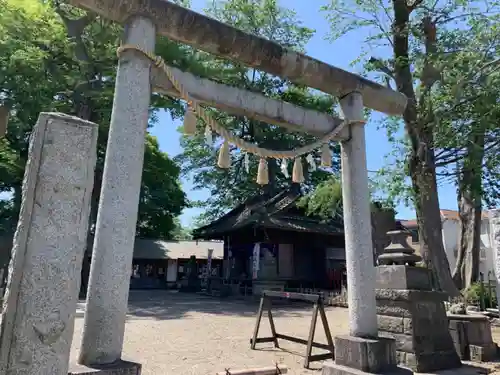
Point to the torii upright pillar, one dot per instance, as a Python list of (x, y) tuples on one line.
[(112, 254), (362, 349)]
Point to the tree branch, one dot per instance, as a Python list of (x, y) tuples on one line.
[(74, 29), (412, 5)]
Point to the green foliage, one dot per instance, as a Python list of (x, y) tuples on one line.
[(42, 68), (162, 198), (475, 291), (181, 233), (8, 217), (228, 188), (468, 107), (325, 201), (464, 100)]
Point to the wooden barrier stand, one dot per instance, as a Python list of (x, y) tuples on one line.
[(318, 306)]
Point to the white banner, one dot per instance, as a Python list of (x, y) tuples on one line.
[(255, 260), (209, 262)]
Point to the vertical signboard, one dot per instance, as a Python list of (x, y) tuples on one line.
[(255, 260), (209, 262)]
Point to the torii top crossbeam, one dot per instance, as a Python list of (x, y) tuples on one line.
[(202, 32)]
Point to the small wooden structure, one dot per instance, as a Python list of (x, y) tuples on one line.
[(318, 307), (296, 251)]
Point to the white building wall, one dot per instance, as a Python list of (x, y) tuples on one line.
[(450, 241), (486, 255), (451, 236), (172, 271)]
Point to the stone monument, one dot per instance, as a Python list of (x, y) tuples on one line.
[(49, 243), (409, 311)]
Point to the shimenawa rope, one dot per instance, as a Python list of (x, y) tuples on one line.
[(194, 107)]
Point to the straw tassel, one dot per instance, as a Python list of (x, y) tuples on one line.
[(326, 156), (284, 168), (263, 172), (298, 172), (190, 121), (208, 136), (247, 162), (311, 162), (224, 161)]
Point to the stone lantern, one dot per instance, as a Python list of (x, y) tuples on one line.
[(398, 252), (409, 311)]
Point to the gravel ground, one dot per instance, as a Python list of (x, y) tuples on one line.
[(172, 333)]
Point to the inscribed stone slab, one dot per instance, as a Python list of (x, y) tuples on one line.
[(44, 273)]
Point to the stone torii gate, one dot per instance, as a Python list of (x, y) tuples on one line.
[(113, 247), (136, 78)]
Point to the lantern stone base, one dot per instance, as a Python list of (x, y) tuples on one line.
[(417, 320)]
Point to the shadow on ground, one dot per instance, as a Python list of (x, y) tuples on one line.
[(163, 305)]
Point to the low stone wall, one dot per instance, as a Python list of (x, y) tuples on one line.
[(471, 335)]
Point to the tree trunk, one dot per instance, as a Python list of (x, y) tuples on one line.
[(466, 269), (84, 109), (94, 205), (418, 126), (430, 226)]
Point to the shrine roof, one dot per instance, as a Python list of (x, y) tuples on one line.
[(277, 211)]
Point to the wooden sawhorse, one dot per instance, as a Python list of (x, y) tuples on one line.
[(318, 307)]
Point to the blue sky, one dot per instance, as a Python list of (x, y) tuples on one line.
[(340, 53)]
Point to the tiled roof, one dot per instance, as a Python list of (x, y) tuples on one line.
[(410, 224), (445, 215), (158, 249), (278, 211), (453, 215), (147, 249), (151, 249)]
